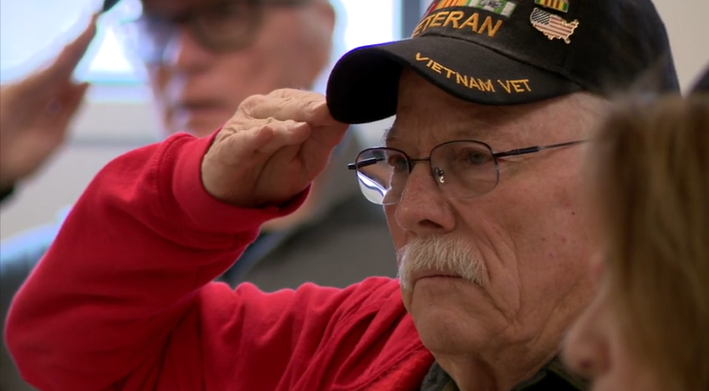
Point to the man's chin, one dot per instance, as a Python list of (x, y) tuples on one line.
[(449, 313), (447, 328)]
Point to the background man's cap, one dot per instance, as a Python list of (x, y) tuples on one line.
[(702, 84), (506, 52)]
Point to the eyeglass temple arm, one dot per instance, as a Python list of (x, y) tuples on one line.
[(524, 151), (108, 4), (513, 152), (364, 163)]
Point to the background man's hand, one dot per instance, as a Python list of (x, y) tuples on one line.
[(271, 149), (35, 112)]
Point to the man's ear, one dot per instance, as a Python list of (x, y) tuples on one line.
[(320, 23), (324, 23), (326, 14)]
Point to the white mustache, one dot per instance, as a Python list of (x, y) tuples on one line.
[(440, 254)]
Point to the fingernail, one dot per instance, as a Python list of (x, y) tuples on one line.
[(314, 108), (294, 125)]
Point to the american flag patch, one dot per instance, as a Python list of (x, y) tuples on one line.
[(552, 26)]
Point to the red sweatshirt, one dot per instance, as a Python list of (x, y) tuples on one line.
[(123, 300)]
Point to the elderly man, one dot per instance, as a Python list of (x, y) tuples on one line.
[(479, 179), (199, 75)]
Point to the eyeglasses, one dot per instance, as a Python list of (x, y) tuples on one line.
[(218, 26), (461, 168), (108, 4)]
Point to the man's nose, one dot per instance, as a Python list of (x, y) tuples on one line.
[(184, 52), (423, 208)]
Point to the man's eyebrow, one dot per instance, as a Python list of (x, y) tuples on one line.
[(389, 134), (478, 131)]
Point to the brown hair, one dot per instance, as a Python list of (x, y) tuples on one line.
[(652, 175)]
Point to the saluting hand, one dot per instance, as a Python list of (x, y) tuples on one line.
[(271, 149), (35, 112)]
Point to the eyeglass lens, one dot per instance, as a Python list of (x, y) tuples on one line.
[(460, 168)]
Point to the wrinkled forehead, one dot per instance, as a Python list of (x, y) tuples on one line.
[(423, 104), (417, 94), (426, 112)]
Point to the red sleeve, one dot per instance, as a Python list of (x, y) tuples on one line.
[(123, 299)]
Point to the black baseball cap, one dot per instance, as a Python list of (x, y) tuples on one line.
[(507, 52), (702, 84)]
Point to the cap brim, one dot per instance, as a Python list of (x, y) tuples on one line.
[(363, 85)]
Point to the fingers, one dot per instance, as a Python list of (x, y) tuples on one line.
[(63, 66), (283, 135), (267, 123), (266, 137), (296, 106), (289, 104), (271, 148)]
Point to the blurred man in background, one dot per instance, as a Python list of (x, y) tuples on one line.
[(203, 58)]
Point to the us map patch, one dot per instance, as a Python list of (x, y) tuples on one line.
[(552, 26)]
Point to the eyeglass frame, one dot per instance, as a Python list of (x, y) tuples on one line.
[(191, 19), (411, 162)]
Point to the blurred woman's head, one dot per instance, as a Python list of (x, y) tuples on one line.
[(649, 327)]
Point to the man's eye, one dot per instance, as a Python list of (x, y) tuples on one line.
[(476, 157), (398, 163), (470, 157)]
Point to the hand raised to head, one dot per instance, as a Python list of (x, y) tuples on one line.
[(35, 112), (271, 149)]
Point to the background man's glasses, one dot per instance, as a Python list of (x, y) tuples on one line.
[(216, 26), (462, 169)]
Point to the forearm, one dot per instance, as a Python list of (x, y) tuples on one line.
[(125, 268)]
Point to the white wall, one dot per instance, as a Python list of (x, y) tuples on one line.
[(686, 22), (105, 130)]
